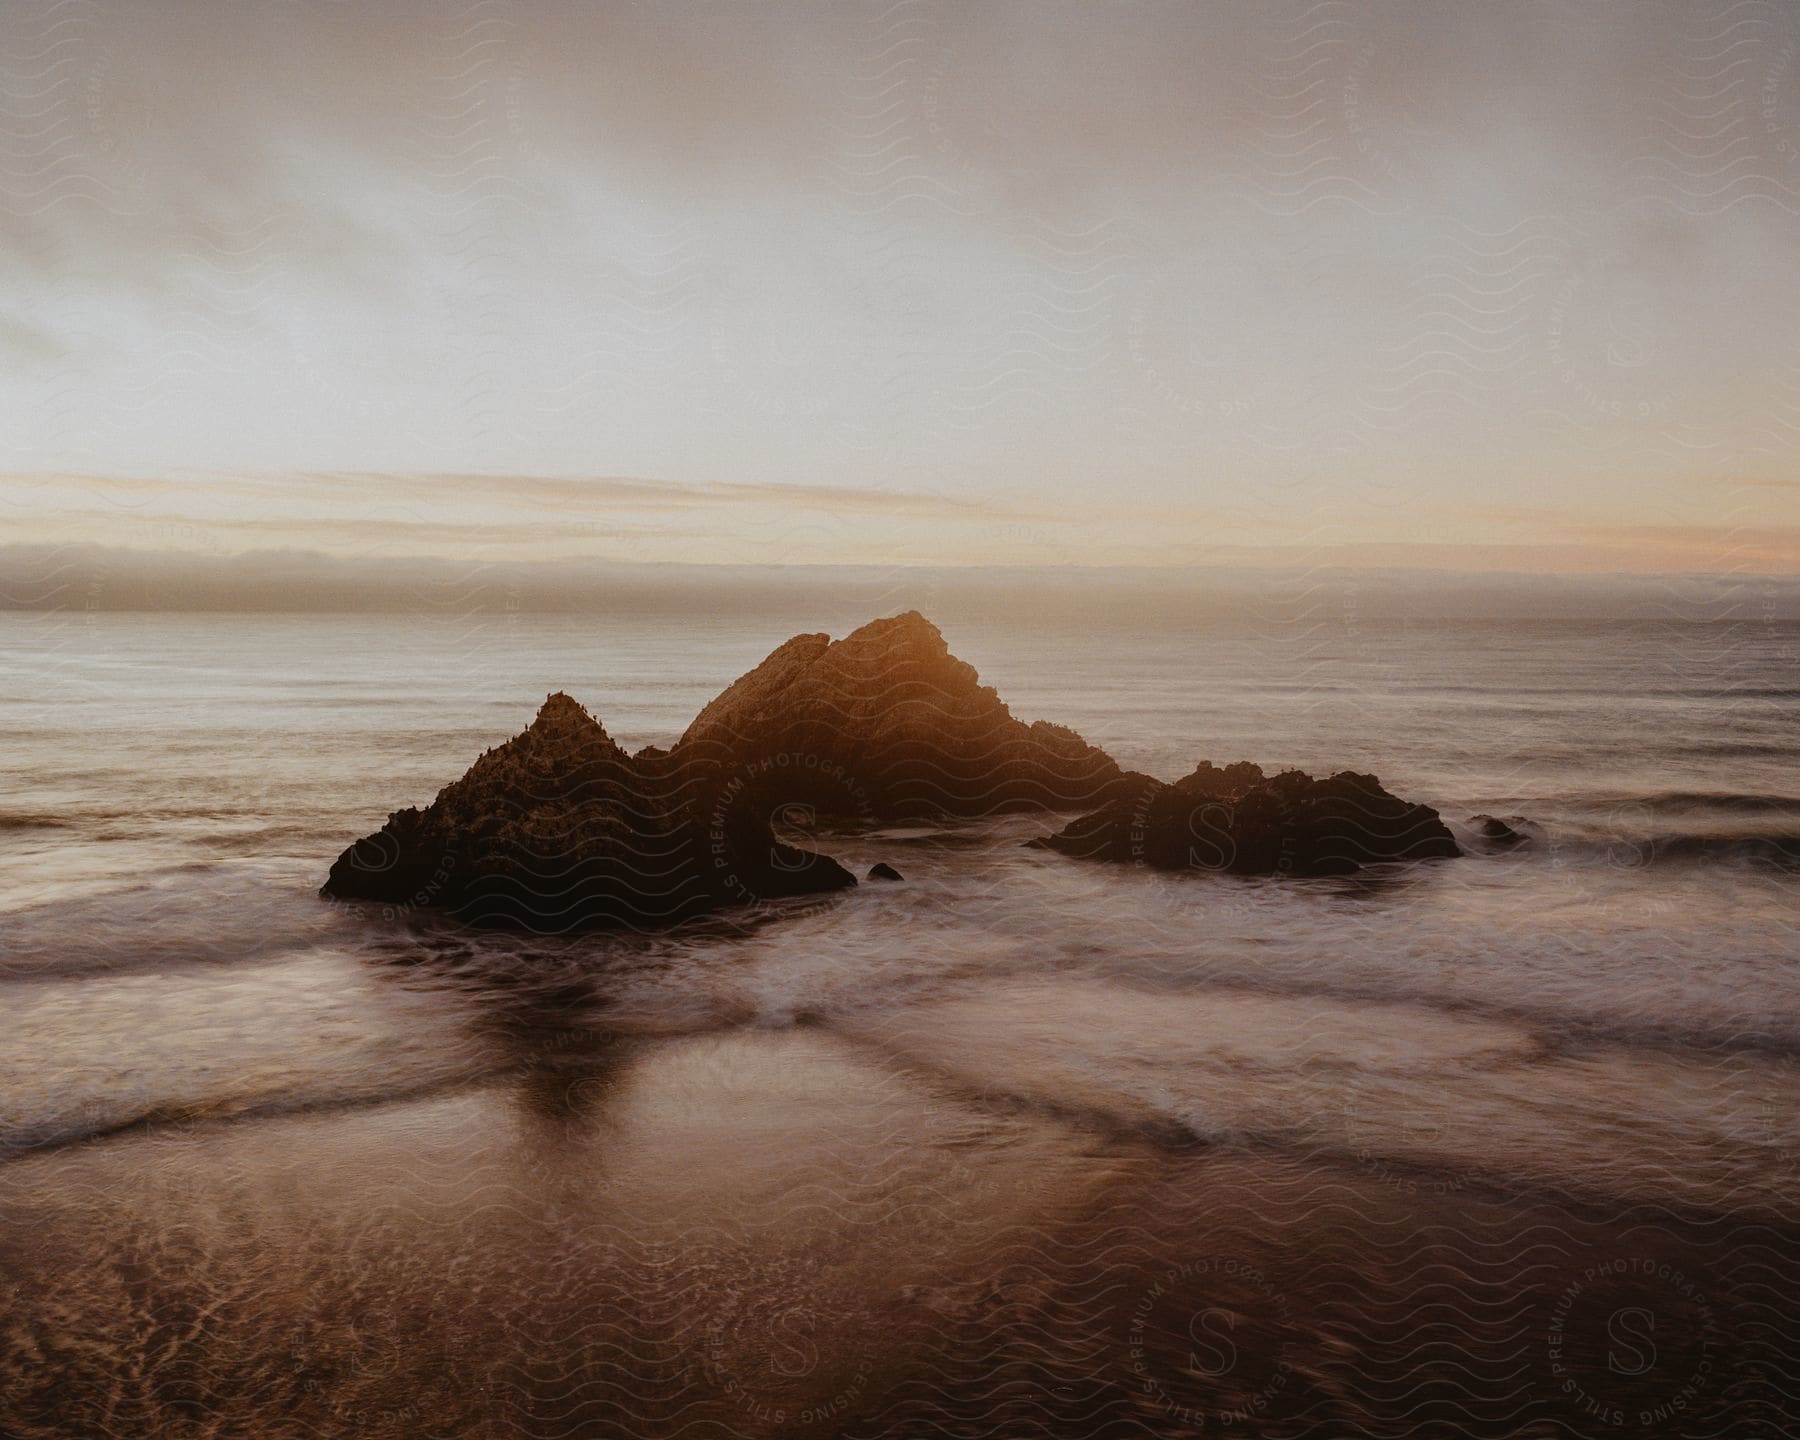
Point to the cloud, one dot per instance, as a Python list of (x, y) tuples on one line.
[(528, 518), (1128, 281)]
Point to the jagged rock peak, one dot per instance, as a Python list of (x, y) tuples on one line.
[(562, 713), (890, 723), (906, 637), (561, 746), (897, 661), (1227, 783), (558, 830), (908, 627), (564, 718)]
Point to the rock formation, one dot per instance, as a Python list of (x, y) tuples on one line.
[(887, 724), (1243, 822), (881, 870), (1501, 834), (559, 829)]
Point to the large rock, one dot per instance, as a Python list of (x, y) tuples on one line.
[(1243, 822), (887, 724), (559, 829)]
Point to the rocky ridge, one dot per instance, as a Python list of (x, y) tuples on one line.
[(559, 829), (1240, 821)]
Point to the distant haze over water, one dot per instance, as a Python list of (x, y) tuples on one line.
[(86, 578)]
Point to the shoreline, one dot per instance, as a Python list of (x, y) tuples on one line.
[(775, 1232)]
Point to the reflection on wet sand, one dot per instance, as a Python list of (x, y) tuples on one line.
[(788, 1232), (714, 1228)]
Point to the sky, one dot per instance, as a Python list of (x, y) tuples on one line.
[(1507, 288)]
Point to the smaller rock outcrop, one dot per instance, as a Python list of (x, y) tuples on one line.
[(1499, 833), (1243, 822), (559, 829), (881, 870)]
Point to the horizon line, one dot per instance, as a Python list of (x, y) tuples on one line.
[(1274, 565)]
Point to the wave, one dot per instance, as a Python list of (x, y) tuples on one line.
[(1781, 847), (55, 1133), (1576, 690), (1736, 802), (1702, 828), (1771, 847), (1555, 1028), (197, 913), (1732, 748), (1615, 806), (23, 820)]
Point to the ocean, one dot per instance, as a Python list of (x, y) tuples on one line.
[(1503, 1145)]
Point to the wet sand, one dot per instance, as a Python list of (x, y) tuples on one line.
[(792, 1233)]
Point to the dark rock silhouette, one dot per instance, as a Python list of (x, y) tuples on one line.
[(887, 724), (1240, 821), (1497, 832), (559, 829)]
